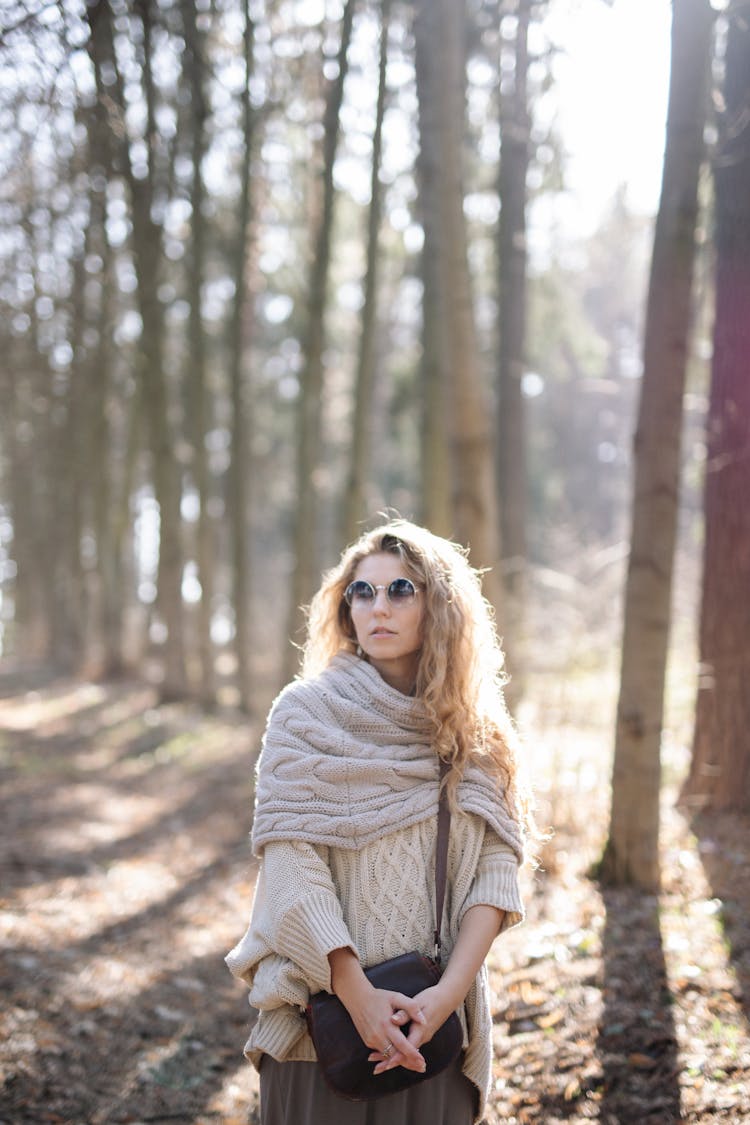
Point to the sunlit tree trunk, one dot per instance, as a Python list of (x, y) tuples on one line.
[(25, 382), (720, 769), (631, 855), (110, 487), (166, 470), (239, 468), (70, 459), (30, 620), (436, 482), (511, 421), (42, 489), (305, 556), (361, 445), (197, 392), (440, 28)]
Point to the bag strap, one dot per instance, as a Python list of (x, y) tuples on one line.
[(441, 855)]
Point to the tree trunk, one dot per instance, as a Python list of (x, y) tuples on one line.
[(44, 490), (70, 458), (31, 635), (239, 467), (99, 374), (720, 769), (436, 483), (154, 400), (631, 855), (355, 502), (305, 563), (511, 421), (197, 392), (439, 31)]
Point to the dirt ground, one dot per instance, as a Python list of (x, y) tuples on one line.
[(126, 875)]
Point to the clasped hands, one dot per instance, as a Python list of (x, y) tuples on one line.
[(420, 1016), (379, 1014)]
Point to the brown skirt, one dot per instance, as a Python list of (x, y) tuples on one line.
[(295, 1093)]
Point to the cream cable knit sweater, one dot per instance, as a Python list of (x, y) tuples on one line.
[(373, 893)]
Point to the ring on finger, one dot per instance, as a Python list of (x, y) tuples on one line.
[(388, 1049)]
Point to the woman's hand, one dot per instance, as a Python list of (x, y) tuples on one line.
[(373, 1009), (377, 1016), (434, 1006)]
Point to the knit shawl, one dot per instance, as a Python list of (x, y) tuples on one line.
[(347, 759)]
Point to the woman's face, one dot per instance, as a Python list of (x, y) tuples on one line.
[(389, 635)]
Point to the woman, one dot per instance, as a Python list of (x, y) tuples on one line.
[(402, 667)]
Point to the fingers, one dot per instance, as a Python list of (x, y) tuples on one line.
[(407, 1008), (398, 1051), (397, 1059), (405, 1054), (390, 1047)]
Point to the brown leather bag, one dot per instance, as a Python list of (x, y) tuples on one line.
[(342, 1055)]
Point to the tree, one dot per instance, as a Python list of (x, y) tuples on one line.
[(719, 775), (107, 515), (147, 245), (239, 466), (461, 400), (631, 852), (312, 381), (356, 494), (511, 424), (436, 482), (199, 403)]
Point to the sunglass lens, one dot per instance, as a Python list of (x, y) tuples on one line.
[(401, 590), (359, 591)]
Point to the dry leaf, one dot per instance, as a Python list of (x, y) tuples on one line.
[(550, 1019), (643, 1062)]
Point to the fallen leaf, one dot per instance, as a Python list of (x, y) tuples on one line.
[(551, 1019), (643, 1062), (572, 1090)]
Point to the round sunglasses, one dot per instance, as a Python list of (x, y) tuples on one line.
[(400, 592)]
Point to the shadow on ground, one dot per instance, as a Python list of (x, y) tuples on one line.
[(636, 1037), (724, 847), (117, 1005)]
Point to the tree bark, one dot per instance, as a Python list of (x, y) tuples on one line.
[(239, 467), (719, 775), (436, 470), (511, 421), (43, 488), (305, 556), (198, 396), (631, 854), (70, 486), (439, 32), (355, 502)]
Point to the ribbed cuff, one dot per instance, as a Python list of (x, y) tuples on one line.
[(282, 1034), (498, 886), (309, 932)]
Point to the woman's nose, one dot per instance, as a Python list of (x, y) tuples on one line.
[(381, 602)]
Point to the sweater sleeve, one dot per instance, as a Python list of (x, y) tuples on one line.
[(296, 917), (495, 881)]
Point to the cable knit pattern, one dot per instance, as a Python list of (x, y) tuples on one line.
[(372, 890), (345, 759)]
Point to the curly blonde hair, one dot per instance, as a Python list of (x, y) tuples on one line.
[(460, 675)]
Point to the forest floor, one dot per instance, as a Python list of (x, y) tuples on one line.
[(126, 875)]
